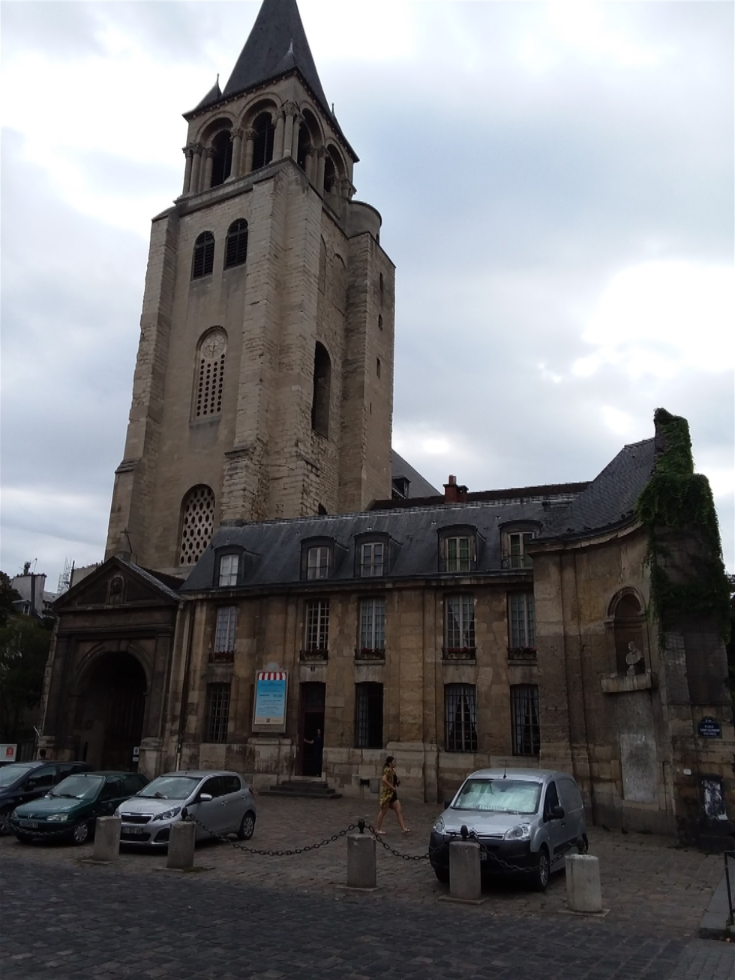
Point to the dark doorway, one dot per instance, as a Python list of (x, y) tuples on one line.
[(110, 720), (311, 723)]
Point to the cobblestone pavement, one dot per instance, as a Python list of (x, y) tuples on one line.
[(266, 918)]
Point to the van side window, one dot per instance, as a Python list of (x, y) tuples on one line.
[(552, 800)]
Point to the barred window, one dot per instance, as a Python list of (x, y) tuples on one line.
[(317, 562), (522, 619), (372, 559), (459, 622), (203, 258), (229, 566), (372, 624), (517, 544), (236, 248), (224, 637), (210, 379), (317, 625), (368, 716), (197, 524), (524, 719), (218, 712), (460, 717)]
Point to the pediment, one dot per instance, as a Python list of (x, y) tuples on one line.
[(116, 583)]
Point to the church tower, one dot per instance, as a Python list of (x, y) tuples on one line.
[(264, 380)]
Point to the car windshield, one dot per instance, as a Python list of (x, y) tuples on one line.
[(499, 795), (78, 787), (9, 774), (170, 787)]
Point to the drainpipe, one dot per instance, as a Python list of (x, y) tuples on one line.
[(185, 686)]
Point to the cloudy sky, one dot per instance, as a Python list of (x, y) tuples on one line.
[(556, 185)]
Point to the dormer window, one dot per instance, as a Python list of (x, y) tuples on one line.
[(229, 569), (457, 549), (372, 558), (515, 543), (317, 562)]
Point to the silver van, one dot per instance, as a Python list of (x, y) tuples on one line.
[(525, 819)]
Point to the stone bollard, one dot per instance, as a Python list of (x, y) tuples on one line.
[(464, 870), (107, 839), (583, 883), (361, 871), (181, 845)]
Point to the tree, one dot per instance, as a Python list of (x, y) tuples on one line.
[(24, 649)]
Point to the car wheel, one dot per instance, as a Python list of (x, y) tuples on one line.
[(80, 834), (247, 826), (542, 871), (442, 875), (583, 845), (5, 822)]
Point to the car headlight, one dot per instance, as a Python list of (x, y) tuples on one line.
[(168, 814), (439, 825), (520, 832), (57, 818)]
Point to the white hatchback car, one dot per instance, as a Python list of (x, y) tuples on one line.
[(220, 802)]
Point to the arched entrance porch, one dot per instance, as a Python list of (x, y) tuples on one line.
[(110, 711)]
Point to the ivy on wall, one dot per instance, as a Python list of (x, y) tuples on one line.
[(684, 549)]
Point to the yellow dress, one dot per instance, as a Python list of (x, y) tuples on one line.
[(386, 794)]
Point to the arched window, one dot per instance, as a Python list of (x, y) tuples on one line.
[(236, 249), (304, 147), (210, 374), (322, 383), (203, 260), (263, 144), (330, 175), (222, 160), (197, 524)]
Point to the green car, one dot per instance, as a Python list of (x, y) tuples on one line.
[(70, 809)]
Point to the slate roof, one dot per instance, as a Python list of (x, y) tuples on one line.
[(276, 45), (418, 486), (274, 547), (609, 500)]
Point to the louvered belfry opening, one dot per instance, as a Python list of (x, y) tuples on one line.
[(203, 259), (236, 251), (222, 160)]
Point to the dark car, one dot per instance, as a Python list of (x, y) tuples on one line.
[(69, 810), (22, 782)]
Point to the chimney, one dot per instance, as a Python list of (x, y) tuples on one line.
[(453, 492)]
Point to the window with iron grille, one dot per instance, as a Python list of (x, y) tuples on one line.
[(197, 524), (203, 259), (524, 719), (236, 248), (317, 562), (460, 717), (218, 712), (518, 541), (372, 624), (229, 566), (210, 373), (459, 633), (372, 555), (368, 716), (522, 619), (224, 637), (317, 625)]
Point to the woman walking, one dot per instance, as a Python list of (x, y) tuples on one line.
[(389, 797)]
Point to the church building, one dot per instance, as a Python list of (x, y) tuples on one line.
[(275, 574)]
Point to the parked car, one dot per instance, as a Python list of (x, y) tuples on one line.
[(526, 820), (22, 782), (70, 810), (220, 801)]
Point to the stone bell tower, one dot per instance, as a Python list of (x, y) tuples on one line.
[(264, 380)]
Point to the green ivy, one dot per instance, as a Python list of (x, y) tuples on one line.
[(676, 499)]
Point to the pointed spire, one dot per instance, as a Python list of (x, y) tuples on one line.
[(277, 44), (212, 96)]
